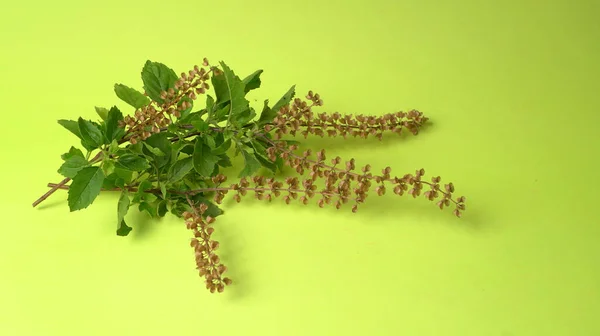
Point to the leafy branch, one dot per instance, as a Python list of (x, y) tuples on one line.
[(168, 154)]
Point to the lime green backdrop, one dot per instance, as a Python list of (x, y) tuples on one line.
[(511, 88)]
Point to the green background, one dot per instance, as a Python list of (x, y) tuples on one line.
[(510, 86)]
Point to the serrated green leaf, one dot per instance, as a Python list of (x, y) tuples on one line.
[(161, 142), (108, 166), (71, 153), (204, 160), (242, 118), (235, 87), (90, 132), (210, 141), (149, 208), (252, 81), (221, 114), (268, 115), (200, 125), (102, 112), (141, 193), (122, 208), (157, 77), (73, 127), (251, 164), (70, 125), (222, 148), (72, 165), (132, 162), (125, 174), (113, 149), (219, 84), (85, 188), (153, 150), (179, 169), (259, 149), (131, 96), (113, 131)]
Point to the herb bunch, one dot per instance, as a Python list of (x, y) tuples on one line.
[(167, 156)]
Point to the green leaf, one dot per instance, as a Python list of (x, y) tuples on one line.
[(221, 114), (85, 188), (162, 208), (268, 115), (141, 193), (113, 131), (221, 92), (124, 175), (244, 117), (179, 169), (252, 81), (153, 150), (157, 77), (210, 107), (222, 148), (73, 127), (204, 159), (251, 164), (235, 87), (149, 208), (71, 153), (224, 161), (159, 141), (132, 162), (123, 229), (210, 141), (72, 165), (123, 207), (163, 189), (213, 210), (200, 125), (102, 112), (113, 148), (90, 132), (108, 166), (131, 96)]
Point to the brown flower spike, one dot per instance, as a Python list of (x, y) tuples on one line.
[(207, 261)]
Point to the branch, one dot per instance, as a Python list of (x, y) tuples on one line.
[(61, 184)]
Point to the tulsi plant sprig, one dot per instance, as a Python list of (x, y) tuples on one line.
[(167, 156)]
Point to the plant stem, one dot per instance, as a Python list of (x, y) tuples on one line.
[(62, 183)]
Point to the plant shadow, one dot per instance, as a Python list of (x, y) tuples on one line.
[(51, 204)]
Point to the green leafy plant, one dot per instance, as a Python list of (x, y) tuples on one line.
[(168, 155)]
